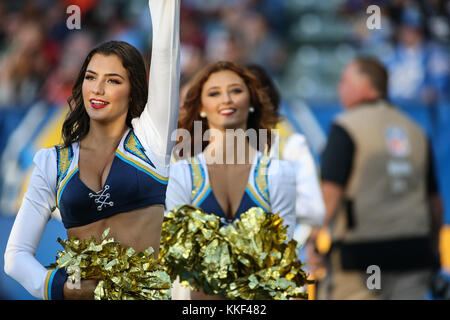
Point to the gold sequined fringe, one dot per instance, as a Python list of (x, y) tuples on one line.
[(248, 259), (123, 274)]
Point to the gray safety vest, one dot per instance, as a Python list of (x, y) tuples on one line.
[(387, 184)]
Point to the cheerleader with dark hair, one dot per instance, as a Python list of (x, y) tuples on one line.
[(112, 170)]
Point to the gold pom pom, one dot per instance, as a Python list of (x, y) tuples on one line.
[(248, 259), (123, 274), (187, 236)]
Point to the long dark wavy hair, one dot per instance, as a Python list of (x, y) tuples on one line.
[(265, 115), (77, 122)]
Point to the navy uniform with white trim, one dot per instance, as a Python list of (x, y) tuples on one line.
[(145, 184), (138, 176), (270, 186)]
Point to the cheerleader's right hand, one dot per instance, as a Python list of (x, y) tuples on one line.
[(83, 291)]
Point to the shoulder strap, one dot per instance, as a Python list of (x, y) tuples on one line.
[(134, 146), (197, 176), (260, 176), (64, 157)]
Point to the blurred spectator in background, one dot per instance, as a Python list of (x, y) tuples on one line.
[(418, 66), (3, 15), (224, 45), (378, 168), (435, 15), (31, 50), (58, 84), (23, 66), (238, 31), (412, 42), (262, 45)]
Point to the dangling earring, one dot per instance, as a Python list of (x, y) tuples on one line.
[(203, 114), (251, 109)]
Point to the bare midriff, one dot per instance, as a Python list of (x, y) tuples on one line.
[(139, 228)]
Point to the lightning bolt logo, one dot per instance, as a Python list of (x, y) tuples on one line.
[(132, 145)]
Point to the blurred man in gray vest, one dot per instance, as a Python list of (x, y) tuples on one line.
[(382, 201)]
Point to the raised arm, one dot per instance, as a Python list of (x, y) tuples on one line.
[(160, 116), (26, 233)]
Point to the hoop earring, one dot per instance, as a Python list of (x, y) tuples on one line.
[(203, 114)]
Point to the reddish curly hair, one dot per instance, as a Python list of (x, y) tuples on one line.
[(265, 115)]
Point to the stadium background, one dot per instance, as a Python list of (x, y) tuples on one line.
[(303, 44)]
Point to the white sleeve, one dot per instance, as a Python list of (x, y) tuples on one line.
[(310, 207), (159, 119), (180, 185), (282, 193), (29, 225)]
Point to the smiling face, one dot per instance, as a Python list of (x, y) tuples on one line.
[(225, 99), (106, 89)]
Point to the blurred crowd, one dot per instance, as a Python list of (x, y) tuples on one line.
[(40, 56), (414, 43)]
